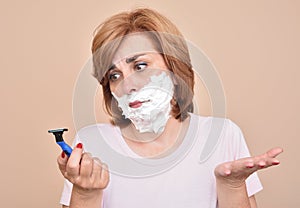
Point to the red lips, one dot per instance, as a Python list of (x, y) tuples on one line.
[(137, 103)]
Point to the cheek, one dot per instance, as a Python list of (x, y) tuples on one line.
[(142, 79), (160, 68), (116, 89)]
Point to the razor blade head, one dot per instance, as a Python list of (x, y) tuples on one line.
[(57, 130), (58, 134)]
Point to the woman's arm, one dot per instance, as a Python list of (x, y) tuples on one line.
[(88, 175), (252, 202), (231, 176)]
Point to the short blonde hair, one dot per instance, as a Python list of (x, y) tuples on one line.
[(169, 42)]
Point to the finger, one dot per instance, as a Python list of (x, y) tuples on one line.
[(224, 169), (270, 157), (62, 162), (274, 152), (249, 162), (267, 162), (243, 166), (86, 166), (275, 161), (73, 164), (97, 169), (259, 162), (104, 176), (100, 174), (262, 163)]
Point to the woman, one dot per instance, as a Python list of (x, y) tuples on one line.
[(142, 62)]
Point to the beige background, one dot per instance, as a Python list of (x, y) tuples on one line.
[(44, 44)]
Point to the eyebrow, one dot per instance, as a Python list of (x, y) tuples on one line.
[(128, 60), (133, 58)]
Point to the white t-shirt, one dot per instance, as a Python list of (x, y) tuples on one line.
[(183, 180)]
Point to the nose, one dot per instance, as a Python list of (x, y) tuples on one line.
[(129, 84)]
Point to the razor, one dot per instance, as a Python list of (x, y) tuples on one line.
[(60, 141)]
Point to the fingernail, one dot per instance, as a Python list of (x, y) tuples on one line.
[(276, 162), (79, 145), (250, 165), (63, 154), (227, 172), (262, 164)]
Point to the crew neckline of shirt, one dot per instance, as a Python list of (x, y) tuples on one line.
[(187, 140)]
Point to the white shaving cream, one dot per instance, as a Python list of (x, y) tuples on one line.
[(154, 112)]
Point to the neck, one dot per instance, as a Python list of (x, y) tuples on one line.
[(156, 145)]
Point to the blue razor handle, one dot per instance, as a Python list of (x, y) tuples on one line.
[(65, 147), (60, 141)]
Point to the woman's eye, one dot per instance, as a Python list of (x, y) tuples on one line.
[(140, 66), (114, 76)]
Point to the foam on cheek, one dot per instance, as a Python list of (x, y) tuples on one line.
[(152, 116)]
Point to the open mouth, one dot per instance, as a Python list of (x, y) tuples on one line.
[(137, 103)]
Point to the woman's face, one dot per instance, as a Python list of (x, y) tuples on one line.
[(135, 61), (141, 83)]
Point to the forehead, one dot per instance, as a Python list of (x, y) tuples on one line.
[(134, 44)]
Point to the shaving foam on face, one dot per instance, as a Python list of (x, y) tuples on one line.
[(154, 112)]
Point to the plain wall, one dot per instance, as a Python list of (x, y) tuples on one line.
[(254, 46)]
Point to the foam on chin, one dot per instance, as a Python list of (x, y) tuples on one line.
[(152, 116)]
